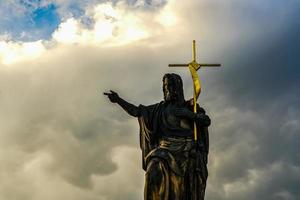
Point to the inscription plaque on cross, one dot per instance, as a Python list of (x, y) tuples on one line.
[(194, 67)]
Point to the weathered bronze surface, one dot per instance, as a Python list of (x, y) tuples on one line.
[(175, 163)]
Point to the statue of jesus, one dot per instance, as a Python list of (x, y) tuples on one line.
[(175, 164)]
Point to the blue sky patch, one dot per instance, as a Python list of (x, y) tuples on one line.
[(45, 20), (27, 20), (31, 20)]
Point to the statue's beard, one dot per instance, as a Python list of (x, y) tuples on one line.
[(172, 96)]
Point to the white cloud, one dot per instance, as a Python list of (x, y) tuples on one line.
[(113, 25), (12, 52)]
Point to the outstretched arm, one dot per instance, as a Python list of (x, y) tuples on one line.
[(128, 107)]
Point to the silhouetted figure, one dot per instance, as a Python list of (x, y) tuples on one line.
[(175, 165)]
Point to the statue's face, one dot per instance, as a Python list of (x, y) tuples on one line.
[(170, 89)]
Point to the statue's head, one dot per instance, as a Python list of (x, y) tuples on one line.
[(173, 88)]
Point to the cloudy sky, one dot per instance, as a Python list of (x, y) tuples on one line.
[(61, 139)]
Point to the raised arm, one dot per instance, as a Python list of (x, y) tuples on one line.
[(128, 107)]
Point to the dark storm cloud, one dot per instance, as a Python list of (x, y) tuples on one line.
[(267, 70), (258, 134), (264, 68)]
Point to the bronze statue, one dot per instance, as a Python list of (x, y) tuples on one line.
[(175, 163)]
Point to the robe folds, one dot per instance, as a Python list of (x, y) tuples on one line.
[(175, 165)]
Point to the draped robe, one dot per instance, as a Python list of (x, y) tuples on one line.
[(175, 165)]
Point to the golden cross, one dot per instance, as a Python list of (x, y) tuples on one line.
[(194, 66)]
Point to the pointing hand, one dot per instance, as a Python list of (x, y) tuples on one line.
[(113, 96)]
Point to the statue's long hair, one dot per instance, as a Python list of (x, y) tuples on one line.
[(176, 79)]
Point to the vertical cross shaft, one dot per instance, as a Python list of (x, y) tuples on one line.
[(194, 51), (193, 67)]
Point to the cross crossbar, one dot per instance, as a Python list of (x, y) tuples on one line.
[(201, 65)]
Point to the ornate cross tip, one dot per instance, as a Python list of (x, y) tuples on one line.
[(194, 63)]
